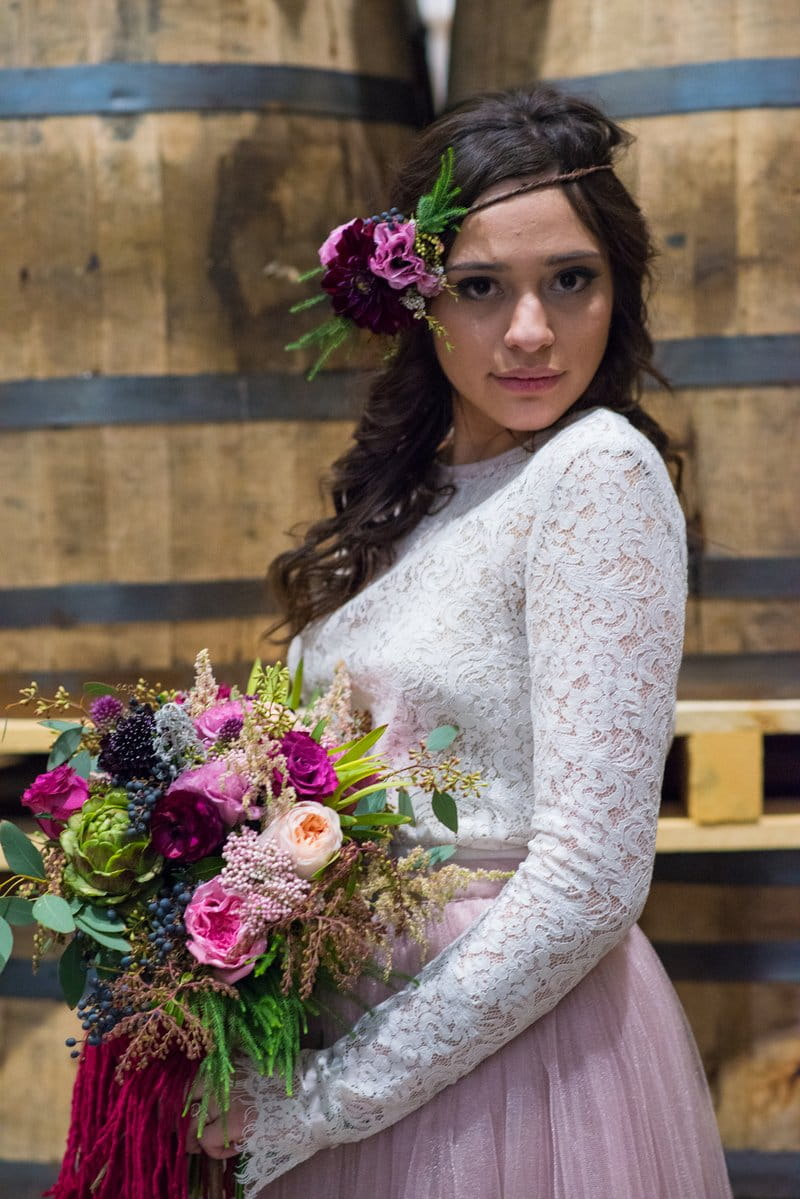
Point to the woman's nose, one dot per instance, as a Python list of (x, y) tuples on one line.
[(529, 328)]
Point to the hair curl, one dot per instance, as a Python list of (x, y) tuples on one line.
[(387, 480)]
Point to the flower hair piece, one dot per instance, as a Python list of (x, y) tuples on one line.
[(380, 272)]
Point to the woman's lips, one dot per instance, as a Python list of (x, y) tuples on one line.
[(531, 384)]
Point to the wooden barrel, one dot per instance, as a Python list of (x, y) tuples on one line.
[(712, 99), (165, 173)]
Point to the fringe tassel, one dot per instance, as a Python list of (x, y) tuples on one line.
[(127, 1139)]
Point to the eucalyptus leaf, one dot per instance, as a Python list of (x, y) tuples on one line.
[(444, 808), (72, 973), (441, 737), (97, 689), (16, 910), (6, 942), (100, 919), (440, 853), (83, 763), (21, 854), (404, 805), (60, 726), (206, 868), (64, 747), (54, 912), (375, 802), (120, 944)]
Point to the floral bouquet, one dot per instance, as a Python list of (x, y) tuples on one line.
[(213, 863)]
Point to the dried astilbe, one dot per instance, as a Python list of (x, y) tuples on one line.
[(203, 694), (335, 706)]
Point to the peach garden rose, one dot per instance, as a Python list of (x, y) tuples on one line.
[(309, 833)]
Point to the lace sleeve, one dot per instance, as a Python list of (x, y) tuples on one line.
[(605, 589)]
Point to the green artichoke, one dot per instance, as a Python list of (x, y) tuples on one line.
[(104, 862)]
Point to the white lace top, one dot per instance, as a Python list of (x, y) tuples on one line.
[(541, 611)]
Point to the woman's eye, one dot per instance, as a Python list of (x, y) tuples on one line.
[(575, 279), (476, 288)]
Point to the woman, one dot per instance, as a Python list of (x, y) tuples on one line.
[(508, 554)]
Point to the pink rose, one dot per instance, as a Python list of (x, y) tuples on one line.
[(226, 789), (330, 247), (396, 261), (309, 833), (209, 723), (308, 765), (214, 924), (59, 793)]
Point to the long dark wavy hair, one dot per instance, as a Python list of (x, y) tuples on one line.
[(387, 480)]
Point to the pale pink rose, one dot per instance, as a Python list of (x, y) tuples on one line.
[(226, 789), (309, 833), (396, 261), (58, 793), (329, 248), (213, 922)]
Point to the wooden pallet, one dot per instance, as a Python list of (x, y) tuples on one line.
[(724, 742)]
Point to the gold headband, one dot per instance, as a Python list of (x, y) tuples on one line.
[(540, 183)]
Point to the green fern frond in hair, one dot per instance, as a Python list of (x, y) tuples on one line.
[(436, 210)]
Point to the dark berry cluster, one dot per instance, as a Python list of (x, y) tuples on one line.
[(166, 919), (142, 798), (127, 752), (392, 218), (98, 1015)]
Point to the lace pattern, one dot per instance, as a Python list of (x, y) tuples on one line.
[(541, 611)]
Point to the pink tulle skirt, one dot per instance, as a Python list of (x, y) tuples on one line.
[(602, 1098)]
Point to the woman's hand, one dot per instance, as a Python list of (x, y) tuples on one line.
[(220, 1139)]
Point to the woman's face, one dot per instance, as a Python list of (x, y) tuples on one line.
[(528, 321)]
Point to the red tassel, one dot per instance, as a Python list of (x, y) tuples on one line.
[(127, 1139)]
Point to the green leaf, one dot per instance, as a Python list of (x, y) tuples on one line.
[(64, 747), (53, 912), (6, 942), (404, 805), (380, 818), (83, 763), (357, 749), (17, 911), (301, 305), (374, 802), (72, 973), (319, 729), (117, 943), (296, 692), (21, 854), (440, 853), (60, 726), (313, 273), (100, 919), (255, 675), (444, 807), (95, 689), (441, 737), (206, 868)]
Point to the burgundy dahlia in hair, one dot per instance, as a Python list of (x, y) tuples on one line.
[(355, 291)]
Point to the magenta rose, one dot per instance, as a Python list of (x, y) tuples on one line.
[(213, 920), (58, 793), (215, 780), (210, 723), (308, 766), (396, 261), (186, 826)]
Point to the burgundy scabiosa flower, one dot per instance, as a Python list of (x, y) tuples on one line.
[(128, 752), (356, 291)]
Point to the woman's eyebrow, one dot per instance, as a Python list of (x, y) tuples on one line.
[(551, 260)]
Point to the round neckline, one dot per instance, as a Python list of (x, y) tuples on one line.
[(518, 454)]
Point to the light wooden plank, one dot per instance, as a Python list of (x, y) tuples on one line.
[(733, 715), (20, 735), (726, 776), (678, 834)]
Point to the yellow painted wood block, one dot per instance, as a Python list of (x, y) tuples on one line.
[(726, 776)]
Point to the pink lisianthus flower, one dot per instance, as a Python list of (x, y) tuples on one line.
[(213, 921), (209, 723), (396, 261), (59, 793), (225, 787)]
